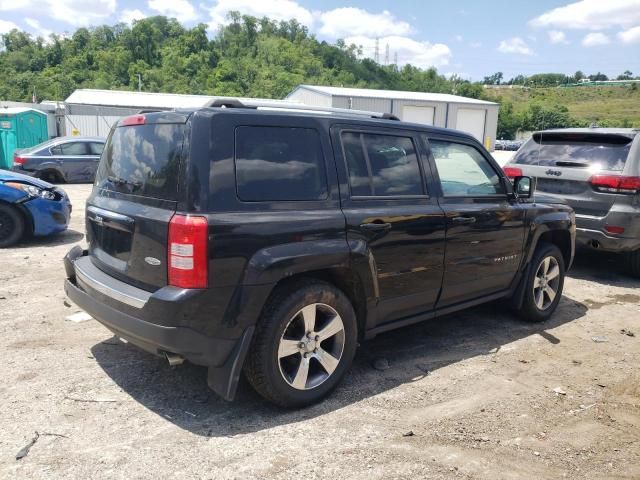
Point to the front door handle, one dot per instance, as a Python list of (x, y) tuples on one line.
[(375, 227), (463, 220)]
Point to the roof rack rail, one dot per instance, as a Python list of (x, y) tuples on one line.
[(295, 107), (149, 110)]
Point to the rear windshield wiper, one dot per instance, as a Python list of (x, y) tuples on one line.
[(122, 181), (572, 164)]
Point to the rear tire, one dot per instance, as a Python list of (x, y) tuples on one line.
[(544, 283), (633, 263), (50, 176), (11, 225), (291, 362)]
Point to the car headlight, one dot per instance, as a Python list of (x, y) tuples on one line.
[(32, 190)]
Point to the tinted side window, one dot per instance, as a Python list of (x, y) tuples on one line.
[(359, 180), (279, 163), (74, 148), (463, 170), (96, 148), (382, 165)]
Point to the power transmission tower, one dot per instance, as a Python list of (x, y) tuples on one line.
[(376, 56), (395, 59), (386, 54)]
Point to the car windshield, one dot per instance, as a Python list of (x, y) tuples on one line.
[(595, 151)]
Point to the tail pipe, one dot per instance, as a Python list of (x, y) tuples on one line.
[(174, 359)]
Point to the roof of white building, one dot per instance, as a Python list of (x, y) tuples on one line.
[(16, 110), (391, 94), (119, 98)]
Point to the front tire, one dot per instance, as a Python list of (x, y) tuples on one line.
[(303, 345), (633, 263), (11, 225), (544, 284)]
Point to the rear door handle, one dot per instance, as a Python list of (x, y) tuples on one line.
[(463, 220), (375, 227)]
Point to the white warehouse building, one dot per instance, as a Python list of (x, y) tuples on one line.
[(476, 117), (91, 112)]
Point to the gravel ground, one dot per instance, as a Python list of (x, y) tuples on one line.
[(476, 395)]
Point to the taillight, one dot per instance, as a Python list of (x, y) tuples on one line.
[(19, 160), (188, 258), (615, 184), (614, 229), (512, 172), (132, 120)]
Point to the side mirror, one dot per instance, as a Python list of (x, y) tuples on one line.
[(523, 187)]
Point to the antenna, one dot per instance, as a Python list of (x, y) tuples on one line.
[(386, 54), (376, 55)]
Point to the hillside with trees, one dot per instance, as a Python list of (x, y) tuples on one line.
[(248, 57)]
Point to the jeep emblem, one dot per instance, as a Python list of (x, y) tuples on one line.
[(152, 261), (555, 173)]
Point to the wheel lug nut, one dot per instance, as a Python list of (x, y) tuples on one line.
[(317, 338), (306, 355), (315, 350), (301, 345)]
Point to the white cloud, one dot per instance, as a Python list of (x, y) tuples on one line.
[(349, 21), (6, 26), (37, 28), (556, 36), (182, 10), (281, 10), (73, 12), (630, 36), (417, 53), (475, 44), (595, 40), (515, 45), (591, 15), (129, 16), (459, 38)]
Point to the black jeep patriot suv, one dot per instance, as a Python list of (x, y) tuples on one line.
[(271, 241)]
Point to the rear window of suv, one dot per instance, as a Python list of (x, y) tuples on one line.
[(143, 160), (596, 151)]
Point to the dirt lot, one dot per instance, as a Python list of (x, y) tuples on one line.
[(475, 389)]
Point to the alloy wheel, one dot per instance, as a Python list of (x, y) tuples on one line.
[(546, 283), (311, 346)]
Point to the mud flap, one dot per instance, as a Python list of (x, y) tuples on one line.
[(518, 296), (223, 380)]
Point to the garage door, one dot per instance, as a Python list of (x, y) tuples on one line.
[(415, 114), (471, 120)]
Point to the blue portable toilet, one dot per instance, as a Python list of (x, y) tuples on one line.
[(20, 128)]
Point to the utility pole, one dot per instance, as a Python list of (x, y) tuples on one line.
[(386, 54), (376, 56), (139, 82)]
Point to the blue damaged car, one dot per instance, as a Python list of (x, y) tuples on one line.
[(29, 206)]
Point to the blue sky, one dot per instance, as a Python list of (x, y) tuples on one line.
[(468, 38)]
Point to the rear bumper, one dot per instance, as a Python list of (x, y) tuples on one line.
[(597, 240), (591, 231), (106, 299)]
